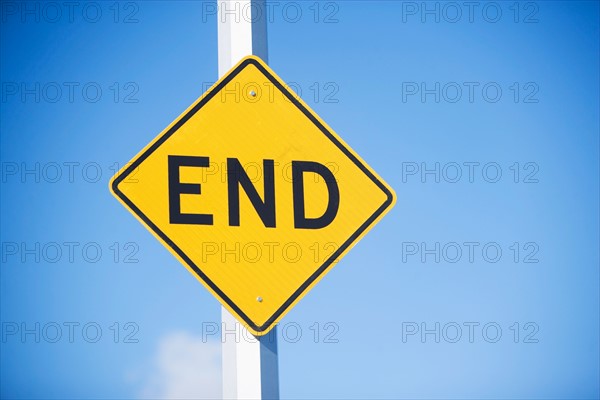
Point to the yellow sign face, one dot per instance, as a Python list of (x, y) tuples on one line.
[(253, 193)]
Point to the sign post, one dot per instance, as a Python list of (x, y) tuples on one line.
[(255, 195), (249, 363)]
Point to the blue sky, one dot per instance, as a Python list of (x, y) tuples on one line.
[(513, 93)]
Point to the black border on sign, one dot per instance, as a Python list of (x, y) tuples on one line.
[(183, 120)]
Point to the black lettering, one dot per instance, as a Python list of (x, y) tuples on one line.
[(176, 188), (300, 220), (236, 177)]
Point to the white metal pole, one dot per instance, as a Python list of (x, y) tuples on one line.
[(250, 365)]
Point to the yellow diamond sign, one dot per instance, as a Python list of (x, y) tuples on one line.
[(253, 193)]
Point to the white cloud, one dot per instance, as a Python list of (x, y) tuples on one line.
[(184, 367)]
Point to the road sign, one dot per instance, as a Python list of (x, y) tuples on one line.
[(253, 193)]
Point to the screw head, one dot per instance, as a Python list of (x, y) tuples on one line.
[(252, 93), (259, 299)]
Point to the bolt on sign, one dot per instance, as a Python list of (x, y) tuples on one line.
[(253, 193)]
